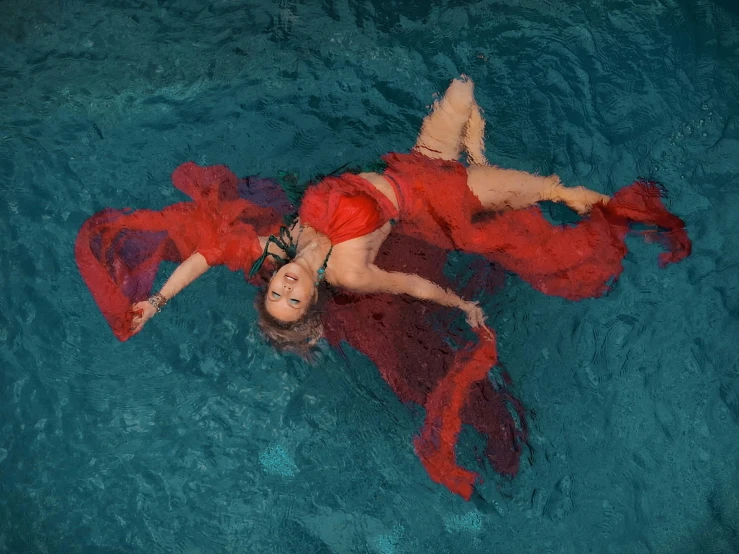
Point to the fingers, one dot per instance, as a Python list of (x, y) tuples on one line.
[(479, 315), (476, 317), (138, 320), (136, 324)]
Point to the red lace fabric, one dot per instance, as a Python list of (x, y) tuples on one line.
[(345, 207), (118, 252)]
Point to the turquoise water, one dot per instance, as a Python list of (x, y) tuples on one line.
[(195, 437)]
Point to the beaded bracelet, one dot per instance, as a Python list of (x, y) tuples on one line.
[(158, 301)]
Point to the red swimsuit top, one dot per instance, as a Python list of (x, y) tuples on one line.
[(345, 207)]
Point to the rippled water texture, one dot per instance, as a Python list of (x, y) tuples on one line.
[(194, 437)]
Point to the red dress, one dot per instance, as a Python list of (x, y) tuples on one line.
[(416, 347)]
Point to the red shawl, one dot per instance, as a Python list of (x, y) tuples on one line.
[(118, 254)]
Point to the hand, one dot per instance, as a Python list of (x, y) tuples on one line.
[(143, 312), (475, 315)]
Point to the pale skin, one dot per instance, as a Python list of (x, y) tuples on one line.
[(455, 125)]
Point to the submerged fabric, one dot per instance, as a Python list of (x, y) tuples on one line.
[(413, 345), (345, 207), (118, 255), (574, 262)]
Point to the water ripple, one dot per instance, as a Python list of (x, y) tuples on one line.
[(194, 436)]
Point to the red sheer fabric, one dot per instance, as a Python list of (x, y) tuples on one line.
[(575, 262), (345, 207), (118, 252), (412, 343), (438, 439)]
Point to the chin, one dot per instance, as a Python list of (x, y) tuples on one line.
[(292, 266), (296, 270)]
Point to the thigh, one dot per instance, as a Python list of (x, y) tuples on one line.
[(443, 129)]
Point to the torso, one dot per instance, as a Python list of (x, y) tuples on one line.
[(383, 185), (354, 255)]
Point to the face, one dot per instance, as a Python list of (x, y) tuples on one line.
[(290, 293)]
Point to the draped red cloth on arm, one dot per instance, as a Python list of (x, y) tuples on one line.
[(118, 252), (444, 407)]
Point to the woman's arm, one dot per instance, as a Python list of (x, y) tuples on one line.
[(189, 270), (373, 279)]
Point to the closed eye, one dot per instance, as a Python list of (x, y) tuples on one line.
[(276, 296)]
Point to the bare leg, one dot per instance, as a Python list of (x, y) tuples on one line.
[(456, 123), (443, 130), (508, 189), (474, 138), (580, 199)]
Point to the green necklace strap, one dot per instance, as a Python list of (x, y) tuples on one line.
[(284, 242), (321, 274)]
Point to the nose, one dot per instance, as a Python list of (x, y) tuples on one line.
[(287, 287)]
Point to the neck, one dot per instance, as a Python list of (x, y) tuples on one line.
[(313, 247), (312, 255)]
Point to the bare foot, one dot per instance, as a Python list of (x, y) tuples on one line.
[(581, 199)]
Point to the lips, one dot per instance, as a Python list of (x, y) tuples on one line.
[(290, 277)]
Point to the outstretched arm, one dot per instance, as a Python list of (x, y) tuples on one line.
[(373, 279), (189, 270)]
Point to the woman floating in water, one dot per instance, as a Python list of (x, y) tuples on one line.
[(380, 234), (344, 220)]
